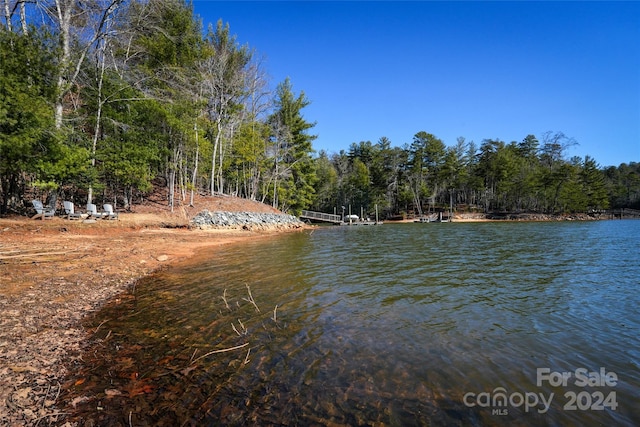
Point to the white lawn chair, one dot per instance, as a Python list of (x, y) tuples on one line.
[(92, 210), (109, 212), (69, 211), (42, 212)]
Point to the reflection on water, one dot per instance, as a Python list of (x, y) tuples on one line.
[(408, 324)]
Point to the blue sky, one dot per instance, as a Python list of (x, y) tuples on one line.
[(479, 70)]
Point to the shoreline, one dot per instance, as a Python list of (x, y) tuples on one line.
[(525, 217), (57, 272)]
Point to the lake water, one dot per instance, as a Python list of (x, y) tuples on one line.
[(400, 324)]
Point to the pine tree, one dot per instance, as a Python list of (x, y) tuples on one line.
[(294, 169)]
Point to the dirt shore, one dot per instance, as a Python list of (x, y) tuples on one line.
[(55, 272)]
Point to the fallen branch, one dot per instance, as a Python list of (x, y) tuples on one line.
[(34, 254), (224, 350), (244, 329), (250, 299), (236, 331), (101, 323), (55, 414), (224, 298)]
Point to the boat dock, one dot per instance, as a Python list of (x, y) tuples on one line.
[(435, 217), (335, 219), (361, 222)]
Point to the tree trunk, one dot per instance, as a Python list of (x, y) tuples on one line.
[(7, 15), (96, 132), (172, 179), (127, 196), (64, 21), (23, 17), (195, 167), (216, 142)]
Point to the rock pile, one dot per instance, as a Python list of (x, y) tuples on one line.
[(245, 220)]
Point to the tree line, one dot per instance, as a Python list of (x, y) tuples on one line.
[(102, 99), (532, 175)]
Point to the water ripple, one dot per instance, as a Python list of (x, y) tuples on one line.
[(394, 324)]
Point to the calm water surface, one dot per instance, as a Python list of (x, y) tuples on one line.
[(407, 324)]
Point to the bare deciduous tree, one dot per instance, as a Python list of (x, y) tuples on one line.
[(223, 85), (81, 24)]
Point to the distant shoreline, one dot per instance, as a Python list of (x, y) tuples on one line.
[(520, 217)]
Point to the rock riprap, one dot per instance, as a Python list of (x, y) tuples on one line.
[(245, 220)]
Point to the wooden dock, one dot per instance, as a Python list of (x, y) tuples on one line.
[(334, 219), (361, 222), (623, 213), (321, 216), (435, 217)]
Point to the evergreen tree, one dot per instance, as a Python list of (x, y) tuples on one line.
[(294, 166), (623, 185), (326, 186), (593, 185), (30, 145)]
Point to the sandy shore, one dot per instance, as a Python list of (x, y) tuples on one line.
[(55, 272)]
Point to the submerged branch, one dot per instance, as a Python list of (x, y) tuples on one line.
[(224, 350), (250, 299), (224, 298)]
